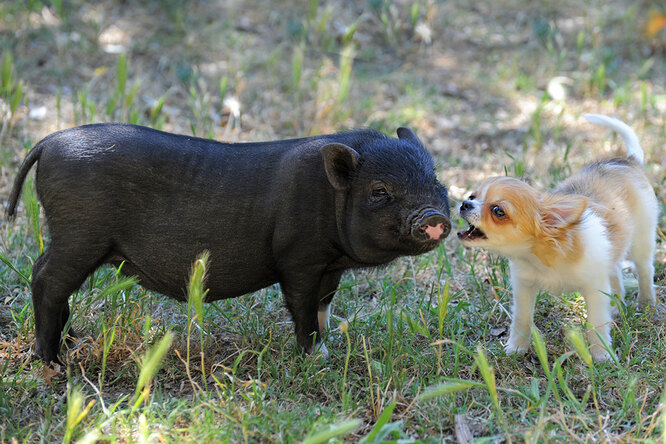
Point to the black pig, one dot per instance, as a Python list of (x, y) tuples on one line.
[(298, 212)]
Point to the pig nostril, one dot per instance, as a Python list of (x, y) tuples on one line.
[(433, 224), (433, 219)]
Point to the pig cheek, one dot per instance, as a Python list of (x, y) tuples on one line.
[(384, 235), (377, 232)]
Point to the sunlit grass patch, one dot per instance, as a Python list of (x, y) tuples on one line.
[(489, 87)]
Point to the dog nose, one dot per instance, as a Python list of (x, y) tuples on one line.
[(466, 205)]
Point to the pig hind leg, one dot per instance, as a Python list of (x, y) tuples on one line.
[(64, 317), (56, 274)]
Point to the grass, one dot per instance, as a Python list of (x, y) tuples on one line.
[(416, 348)]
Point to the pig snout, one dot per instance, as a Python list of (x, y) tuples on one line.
[(430, 225)]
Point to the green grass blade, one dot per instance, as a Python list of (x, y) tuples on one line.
[(7, 74), (32, 209), (564, 387), (448, 387), (296, 68), (575, 338), (488, 374), (349, 34), (540, 349), (224, 86), (151, 364), (9, 263), (75, 412), (414, 14), (344, 76), (442, 306), (15, 99), (334, 431), (124, 283), (383, 419), (196, 292), (121, 77)]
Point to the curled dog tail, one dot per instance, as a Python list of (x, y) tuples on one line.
[(634, 149), (30, 159)]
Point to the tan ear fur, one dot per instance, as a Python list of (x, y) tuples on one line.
[(558, 237), (561, 211)]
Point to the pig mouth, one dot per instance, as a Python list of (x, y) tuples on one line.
[(472, 233)]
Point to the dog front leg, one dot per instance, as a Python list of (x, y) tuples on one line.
[(524, 299)]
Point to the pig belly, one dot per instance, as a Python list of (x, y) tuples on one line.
[(227, 276)]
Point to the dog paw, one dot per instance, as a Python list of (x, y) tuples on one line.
[(646, 303), (599, 354), (615, 311), (516, 346)]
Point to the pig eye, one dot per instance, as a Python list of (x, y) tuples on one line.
[(379, 193), (498, 211)]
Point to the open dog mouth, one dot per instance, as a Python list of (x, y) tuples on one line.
[(472, 233)]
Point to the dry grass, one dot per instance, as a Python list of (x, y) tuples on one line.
[(488, 86)]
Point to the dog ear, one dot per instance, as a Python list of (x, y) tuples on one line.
[(559, 212), (340, 162), (554, 236)]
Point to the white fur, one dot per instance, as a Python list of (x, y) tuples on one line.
[(643, 244), (630, 138), (323, 316), (587, 275)]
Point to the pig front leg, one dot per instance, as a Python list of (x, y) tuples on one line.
[(329, 284), (308, 297)]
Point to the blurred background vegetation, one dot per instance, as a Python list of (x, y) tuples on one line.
[(491, 87)]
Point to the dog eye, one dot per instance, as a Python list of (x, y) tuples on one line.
[(472, 197), (497, 211)]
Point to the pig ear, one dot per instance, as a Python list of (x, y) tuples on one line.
[(340, 161), (407, 134)]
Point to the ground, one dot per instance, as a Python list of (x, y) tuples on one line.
[(489, 87)]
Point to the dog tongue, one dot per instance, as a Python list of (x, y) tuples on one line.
[(434, 232)]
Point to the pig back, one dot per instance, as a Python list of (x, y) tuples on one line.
[(157, 200)]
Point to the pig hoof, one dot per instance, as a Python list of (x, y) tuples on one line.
[(321, 350), (72, 338), (46, 358)]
